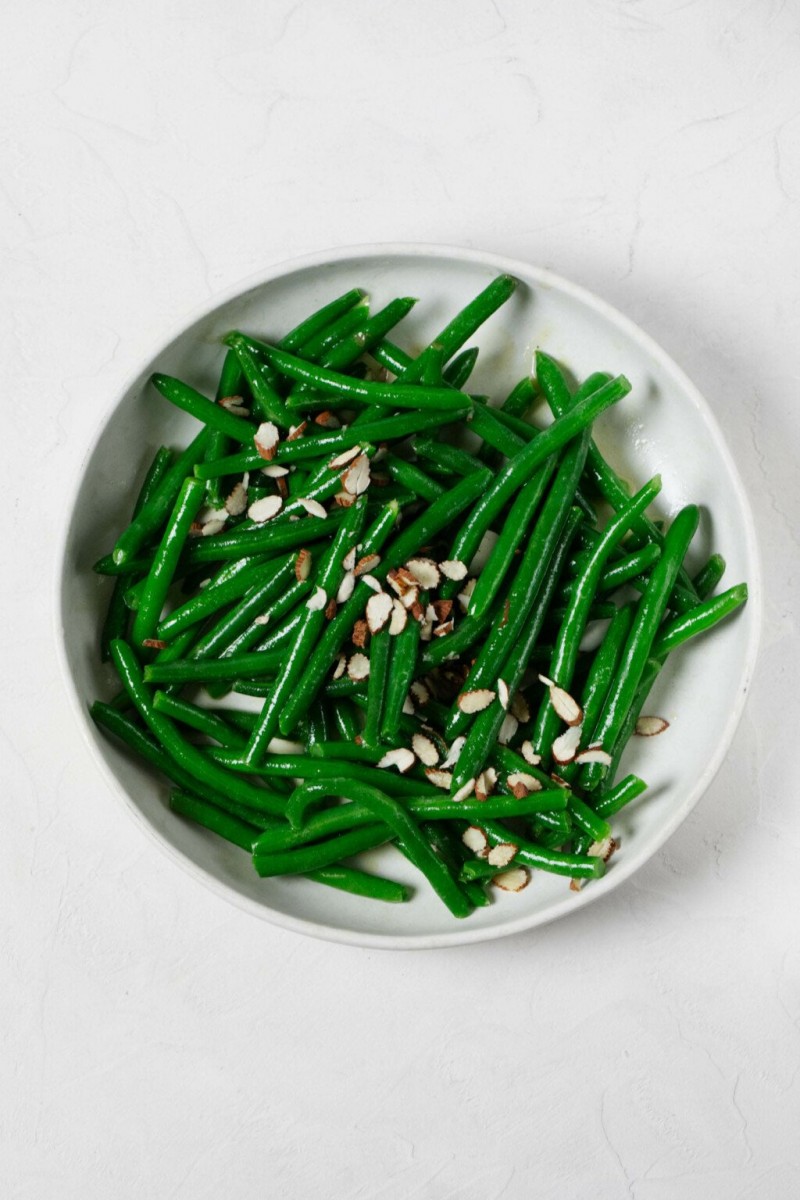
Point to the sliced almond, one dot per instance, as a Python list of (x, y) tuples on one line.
[(522, 784), (443, 629), (265, 509), (566, 746), (506, 610), (317, 601), (373, 583), (296, 431), (360, 633), (455, 750), (425, 750), (568, 709), (520, 709), (211, 527), (507, 730), (344, 500), (355, 479), (439, 778), (529, 754), (484, 784), (514, 880), (366, 564), (410, 600), (327, 420), (502, 854), (476, 700), (358, 667), (401, 581), (401, 758), (408, 707), (275, 471), (341, 460), (346, 587), (502, 693), (236, 500), (302, 566), (475, 840), (155, 643), (420, 692), (339, 669), (262, 619), (349, 560), (425, 571), (266, 439), (330, 609), (465, 595), (312, 507), (593, 755), (379, 610), (234, 404), (650, 726), (603, 849), (451, 568), (465, 790), (399, 618)]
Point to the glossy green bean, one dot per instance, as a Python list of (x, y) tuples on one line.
[(530, 855), (321, 854), (380, 649), (267, 403), (250, 575), (413, 477), (296, 338), (465, 323), (244, 626), (699, 619), (459, 369), (165, 560), (233, 829), (709, 576), (609, 803), (216, 416), (203, 720), (404, 650), (379, 324), (445, 457), (271, 539)]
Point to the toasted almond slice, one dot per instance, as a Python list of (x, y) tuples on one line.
[(401, 581), (443, 609), (360, 633), (296, 431), (344, 500), (425, 572), (327, 420), (312, 507), (546, 681), (465, 594), (155, 643), (465, 790), (339, 669), (265, 509), (266, 439), (566, 746), (349, 560), (529, 754), (358, 667), (443, 629), (234, 404), (399, 618), (520, 708), (455, 749), (425, 631), (568, 709), (603, 849), (476, 700), (484, 784), (366, 564), (559, 780), (373, 583), (401, 758), (410, 599), (330, 609), (507, 730), (420, 692), (451, 568), (379, 610), (275, 471), (502, 854), (355, 479), (302, 565), (346, 587), (262, 619), (341, 460), (317, 601), (439, 778), (514, 880), (211, 527), (576, 885), (475, 839), (522, 784), (650, 726), (593, 755), (236, 500), (502, 693), (408, 707), (425, 750)]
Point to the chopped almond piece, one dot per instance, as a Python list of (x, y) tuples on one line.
[(529, 754), (346, 587), (514, 880), (454, 751), (425, 750), (373, 583), (522, 784), (399, 618), (236, 500), (502, 854), (275, 471), (502, 693), (360, 633), (266, 439), (603, 849), (358, 667), (327, 420), (317, 601), (439, 778), (425, 572), (341, 663), (475, 839), (379, 610), (401, 758), (235, 405), (297, 431), (155, 643), (520, 709), (594, 755), (466, 790), (451, 568), (443, 629), (566, 746), (507, 729), (366, 564), (420, 692), (330, 608), (344, 500), (349, 560), (484, 784)]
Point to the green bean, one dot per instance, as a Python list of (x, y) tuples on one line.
[(568, 640), (378, 325), (587, 820), (360, 751), (224, 825), (318, 725), (649, 612), (267, 404), (649, 676), (202, 719), (165, 560), (402, 665), (520, 398), (488, 426), (219, 595), (328, 339), (198, 670), (345, 720), (361, 883), (321, 319), (152, 515), (322, 854), (465, 323), (709, 576), (295, 659), (238, 631), (609, 803), (530, 855), (459, 369), (232, 384), (384, 808), (196, 762), (413, 478), (116, 620), (271, 538), (238, 429), (704, 616), (444, 457), (306, 766), (349, 389), (380, 648)]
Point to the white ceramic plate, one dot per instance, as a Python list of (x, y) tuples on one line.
[(664, 426)]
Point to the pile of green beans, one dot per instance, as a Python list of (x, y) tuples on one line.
[(409, 608)]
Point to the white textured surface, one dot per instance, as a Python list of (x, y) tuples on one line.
[(157, 1043)]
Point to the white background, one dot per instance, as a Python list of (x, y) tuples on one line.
[(157, 1042)]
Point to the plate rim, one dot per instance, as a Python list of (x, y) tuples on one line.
[(461, 934)]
